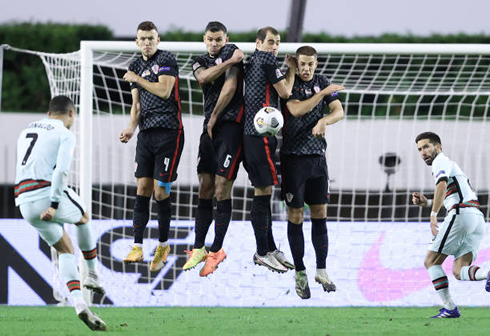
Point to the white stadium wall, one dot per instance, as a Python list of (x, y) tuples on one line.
[(353, 153), (372, 264)]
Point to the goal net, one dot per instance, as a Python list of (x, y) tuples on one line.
[(393, 92)]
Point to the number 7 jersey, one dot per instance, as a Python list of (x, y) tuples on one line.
[(44, 154)]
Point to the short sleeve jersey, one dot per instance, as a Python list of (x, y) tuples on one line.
[(297, 132), (459, 189), (261, 71), (44, 155), (234, 110), (155, 111)]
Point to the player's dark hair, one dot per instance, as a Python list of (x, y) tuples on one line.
[(215, 26), (306, 50), (147, 26), (433, 138), (60, 105), (262, 33)]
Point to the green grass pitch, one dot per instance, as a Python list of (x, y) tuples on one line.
[(245, 321)]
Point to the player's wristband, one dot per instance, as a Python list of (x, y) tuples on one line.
[(433, 214), (429, 203), (54, 205)]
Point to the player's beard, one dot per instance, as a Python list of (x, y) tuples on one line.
[(430, 159)]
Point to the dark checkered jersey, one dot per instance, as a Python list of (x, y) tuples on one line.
[(155, 111), (297, 136), (261, 71), (234, 110)]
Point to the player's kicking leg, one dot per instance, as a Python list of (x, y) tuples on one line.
[(69, 273), (87, 245)]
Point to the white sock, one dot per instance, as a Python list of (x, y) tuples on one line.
[(138, 245), (69, 273), (163, 244), (441, 285), (473, 273), (86, 243)]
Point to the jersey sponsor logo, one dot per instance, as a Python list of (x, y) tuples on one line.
[(155, 68), (146, 73), (164, 68), (316, 88), (278, 73), (441, 172), (195, 66), (308, 92), (335, 94), (289, 197), (218, 61)]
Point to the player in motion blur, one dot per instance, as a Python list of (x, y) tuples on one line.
[(463, 228), (304, 166), (44, 154), (156, 110), (219, 71), (264, 84)]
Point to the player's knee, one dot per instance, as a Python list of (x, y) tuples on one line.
[(161, 194), (84, 220), (428, 263), (223, 190), (295, 215)]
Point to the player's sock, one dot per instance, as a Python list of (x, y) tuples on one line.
[(319, 238), (141, 215), (86, 243), (297, 244), (270, 237), (223, 217), (164, 217), (473, 273), (441, 285), (260, 222), (204, 218), (69, 273)]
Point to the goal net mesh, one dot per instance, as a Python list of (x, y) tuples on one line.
[(374, 165)]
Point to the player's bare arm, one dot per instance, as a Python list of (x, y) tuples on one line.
[(292, 66), (163, 88), (225, 97), (128, 133), (298, 108), (210, 74), (336, 114), (439, 195)]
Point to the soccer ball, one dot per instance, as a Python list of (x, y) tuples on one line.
[(268, 121)]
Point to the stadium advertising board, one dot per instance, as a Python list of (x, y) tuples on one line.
[(372, 263)]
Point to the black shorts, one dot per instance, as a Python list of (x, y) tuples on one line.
[(304, 179), (158, 152), (259, 160), (222, 154)]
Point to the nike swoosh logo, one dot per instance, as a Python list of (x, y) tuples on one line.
[(381, 284)]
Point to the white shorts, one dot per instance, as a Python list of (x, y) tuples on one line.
[(460, 233), (70, 210)]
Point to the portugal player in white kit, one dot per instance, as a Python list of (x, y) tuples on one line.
[(44, 154), (463, 228)]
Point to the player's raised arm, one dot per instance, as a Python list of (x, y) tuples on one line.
[(336, 114), (207, 75)]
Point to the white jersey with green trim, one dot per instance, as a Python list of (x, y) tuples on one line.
[(459, 190), (44, 154)]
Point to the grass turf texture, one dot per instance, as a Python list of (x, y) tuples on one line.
[(245, 321)]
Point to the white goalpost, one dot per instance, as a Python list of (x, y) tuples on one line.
[(393, 93)]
